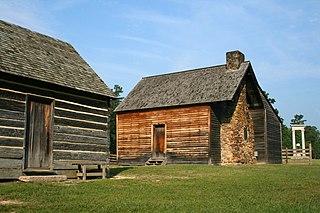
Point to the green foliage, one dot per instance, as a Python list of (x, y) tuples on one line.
[(176, 188), (312, 135), (298, 119), (271, 100), (286, 137), (117, 90)]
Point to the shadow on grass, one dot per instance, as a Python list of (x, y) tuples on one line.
[(117, 170)]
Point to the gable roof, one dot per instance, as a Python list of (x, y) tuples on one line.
[(204, 85), (33, 55)]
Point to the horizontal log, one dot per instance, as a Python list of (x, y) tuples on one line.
[(80, 116), (76, 155), (12, 132), (12, 105), (79, 131), (80, 147), (64, 165), (82, 124), (11, 141), (9, 173), (6, 163), (14, 115), (66, 105), (11, 152), (79, 139), (11, 123), (13, 95), (55, 92)]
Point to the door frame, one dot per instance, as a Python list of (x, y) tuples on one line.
[(51, 102), (165, 138)]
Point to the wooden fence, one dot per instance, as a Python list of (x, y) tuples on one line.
[(297, 155)]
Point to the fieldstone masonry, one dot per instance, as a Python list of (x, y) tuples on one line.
[(235, 148)]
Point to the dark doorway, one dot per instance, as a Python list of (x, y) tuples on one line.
[(38, 141), (158, 141)]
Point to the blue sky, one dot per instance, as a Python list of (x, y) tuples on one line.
[(126, 40)]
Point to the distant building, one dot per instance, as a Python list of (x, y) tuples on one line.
[(215, 115), (53, 106)]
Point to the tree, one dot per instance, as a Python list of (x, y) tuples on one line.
[(272, 101), (312, 135), (117, 90), (286, 137), (298, 119), (285, 131)]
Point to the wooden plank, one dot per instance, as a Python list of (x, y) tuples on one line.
[(12, 132), (64, 165), (11, 152), (12, 95), (13, 115), (81, 108), (76, 155), (79, 131), (11, 141), (56, 92), (77, 123), (79, 139), (6, 163), (12, 123), (81, 116), (10, 173), (12, 105), (80, 147)]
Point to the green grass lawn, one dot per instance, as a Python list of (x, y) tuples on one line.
[(175, 188)]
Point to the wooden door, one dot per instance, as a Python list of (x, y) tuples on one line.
[(158, 141), (38, 149)]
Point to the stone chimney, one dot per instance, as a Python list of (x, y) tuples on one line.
[(234, 59)]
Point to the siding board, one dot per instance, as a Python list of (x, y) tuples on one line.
[(187, 134)]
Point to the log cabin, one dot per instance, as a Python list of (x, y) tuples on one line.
[(53, 106), (213, 115)]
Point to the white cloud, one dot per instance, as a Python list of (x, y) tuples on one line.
[(153, 17), (28, 15), (144, 41)]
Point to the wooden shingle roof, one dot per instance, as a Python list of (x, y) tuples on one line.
[(204, 85), (33, 55)]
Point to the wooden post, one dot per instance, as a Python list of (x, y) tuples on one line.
[(103, 171), (84, 172), (286, 155), (310, 154)]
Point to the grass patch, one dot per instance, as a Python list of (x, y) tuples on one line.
[(176, 188)]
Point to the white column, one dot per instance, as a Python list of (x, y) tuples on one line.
[(294, 140), (303, 141)]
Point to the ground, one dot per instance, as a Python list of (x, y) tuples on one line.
[(175, 188)]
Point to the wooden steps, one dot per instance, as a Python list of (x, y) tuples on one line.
[(156, 162)]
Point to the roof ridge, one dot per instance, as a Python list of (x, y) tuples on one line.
[(184, 71)]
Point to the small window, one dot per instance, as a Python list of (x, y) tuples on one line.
[(246, 133)]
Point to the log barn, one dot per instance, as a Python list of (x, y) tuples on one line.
[(213, 115), (53, 106)]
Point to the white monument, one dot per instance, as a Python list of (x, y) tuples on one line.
[(298, 127)]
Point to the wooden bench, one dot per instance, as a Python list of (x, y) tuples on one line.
[(101, 170)]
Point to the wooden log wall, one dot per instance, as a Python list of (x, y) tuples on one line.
[(215, 144), (273, 133), (12, 110), (80, 130), (187, 134), (260, 138)]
